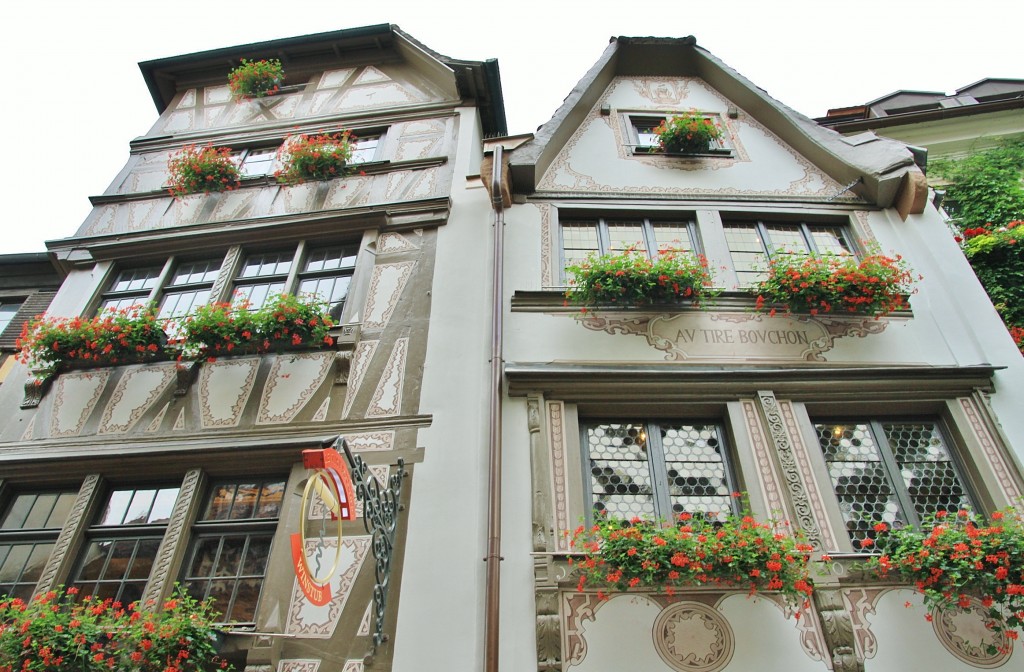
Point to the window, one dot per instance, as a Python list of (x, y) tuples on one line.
[(752, 243), (581, 238), (256, 162), (178, 286), (8, 309), (644, 140), (657, 470), (123, 542), (228, 555), (890, 472), (188, 285), (365, 148), (28, 531), (324, 272)]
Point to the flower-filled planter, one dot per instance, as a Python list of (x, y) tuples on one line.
[(808, 283), (286, 323), (737, 553), (954, 557), (126, 336), (687, 133), (631, 278), (256, 79), (59, 632), (315, 157), (196, 170)]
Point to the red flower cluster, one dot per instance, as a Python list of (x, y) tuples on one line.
[(57, 632), (114, 337), (632, 278), (808, 283), (951, 558), (207, 169), (732, 552), (256, 79), (315, 157)]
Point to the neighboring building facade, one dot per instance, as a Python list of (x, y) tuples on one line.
[(977, 117), (123, 480), (28, 282), (652, 413)]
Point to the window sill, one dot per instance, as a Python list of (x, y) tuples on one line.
[(711, 153), (553, 301)]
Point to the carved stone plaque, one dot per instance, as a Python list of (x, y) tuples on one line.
[(736, 336)]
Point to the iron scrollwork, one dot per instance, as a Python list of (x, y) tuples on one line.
[(380, 516)]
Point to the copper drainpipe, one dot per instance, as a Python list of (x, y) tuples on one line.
[(493, 557)]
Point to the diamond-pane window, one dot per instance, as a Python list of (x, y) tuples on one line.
[(656, 470), (889, 472)]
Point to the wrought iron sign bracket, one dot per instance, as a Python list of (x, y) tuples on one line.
[(380, 516)]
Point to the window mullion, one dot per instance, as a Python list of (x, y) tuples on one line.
[(659, 472), (603, 237), (805, 231), (299, 258), (894, 472), (762, 233), (157, 292), (650, 242)]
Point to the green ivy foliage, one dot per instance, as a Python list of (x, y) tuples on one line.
[(985, 187), (987, 195)]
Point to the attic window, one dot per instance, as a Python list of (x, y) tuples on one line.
[(643, 140)]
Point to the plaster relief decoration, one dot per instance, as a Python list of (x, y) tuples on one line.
[(292, 380), (364, 623), (125, 217), (387, 398), (386, 285), (559, 474), (74, 399), (179, 422), (964, 635), (30, 430), (236, 204), (148, 173), (861, 603), (321, 413), (410, 184), (767, 474), (224, 388), (694, 336), (134, 394), (388, 243), (814, 497), (159, 419), (308, 620), (298, 665), (371, 75), (347, 192), (353, 666), (371, 441), (360, 362), (693, 637), (597, 157), (994, 456)]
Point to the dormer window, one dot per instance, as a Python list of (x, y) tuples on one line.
[(643, 136)]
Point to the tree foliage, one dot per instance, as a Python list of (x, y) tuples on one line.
[(987, 203)]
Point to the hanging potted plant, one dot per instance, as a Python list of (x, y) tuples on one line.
[(61, 631), (809, 283), (952, 558), (733, 552), (687, 133), (125, 336), (256, 79), (315, 157), (196, 170), (631, 278)]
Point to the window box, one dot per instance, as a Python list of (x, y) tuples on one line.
[(809, 283), (690, 134), (671, 277)]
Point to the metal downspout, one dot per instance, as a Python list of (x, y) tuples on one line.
[(493, 557)]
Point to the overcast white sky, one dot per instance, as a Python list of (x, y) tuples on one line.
[(75, 97)]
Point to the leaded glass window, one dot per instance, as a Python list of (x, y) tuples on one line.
[(890, 472), (751, 244), (657, 470)]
